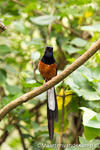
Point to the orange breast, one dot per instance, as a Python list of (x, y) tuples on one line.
[(47, 71)]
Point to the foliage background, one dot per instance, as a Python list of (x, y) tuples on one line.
[(71, 27)]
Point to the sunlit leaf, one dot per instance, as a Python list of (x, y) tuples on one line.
[(43, 20), (95, 27), (88, 14), (67, 98), (91, 121), (35, 41), (88, 114), (91, 144), (78, 42), (35, 56), (81, 86), (94, 122), (20, 26), (30, 83), (70, 49)]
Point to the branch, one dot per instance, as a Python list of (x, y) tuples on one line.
[(2, 27), (26, 97), (3, 137)]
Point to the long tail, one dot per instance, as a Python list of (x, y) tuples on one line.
[(52, 111)]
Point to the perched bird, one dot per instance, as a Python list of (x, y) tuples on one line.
[(48, 69)]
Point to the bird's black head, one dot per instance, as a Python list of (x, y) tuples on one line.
[(49, 48), (49, 52)]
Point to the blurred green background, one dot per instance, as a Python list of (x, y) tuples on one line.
[(71, 27)]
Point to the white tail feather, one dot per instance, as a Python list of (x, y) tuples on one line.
[(51, 99)]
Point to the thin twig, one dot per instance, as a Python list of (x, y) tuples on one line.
[(26, 97), (21, 136), (37, 106), (78, 123), (65, 95), (1, 95), (18, 2), (62, 118), (34, 69), (68, 28)]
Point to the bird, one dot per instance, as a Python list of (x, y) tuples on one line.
[(48, 69)]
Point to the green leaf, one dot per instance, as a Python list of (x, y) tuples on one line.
[(4, 49), (7, 22), (9, 98), (20, 26), (74, 104), (14, 143), (35, 56), (25, 116), (96, 72), (90, 144), (43, 20), (77, 147), (88, 93), (17, 95), (3, 76), (35, 41), (27, 136), (94, 28), (78, 79), (57, 126), (71, 49), (91, 121), (30, 83), (35, 126), (91, 133), (81, 86), (10, 68), (12, 89), (23, 127), (78, 42), (31, 6), (9, 127)]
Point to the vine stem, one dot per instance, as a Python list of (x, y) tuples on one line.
[(62, 118)]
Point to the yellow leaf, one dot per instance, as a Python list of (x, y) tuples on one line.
[(57, 126), (67, 98), (88, 14), (57, 129)]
